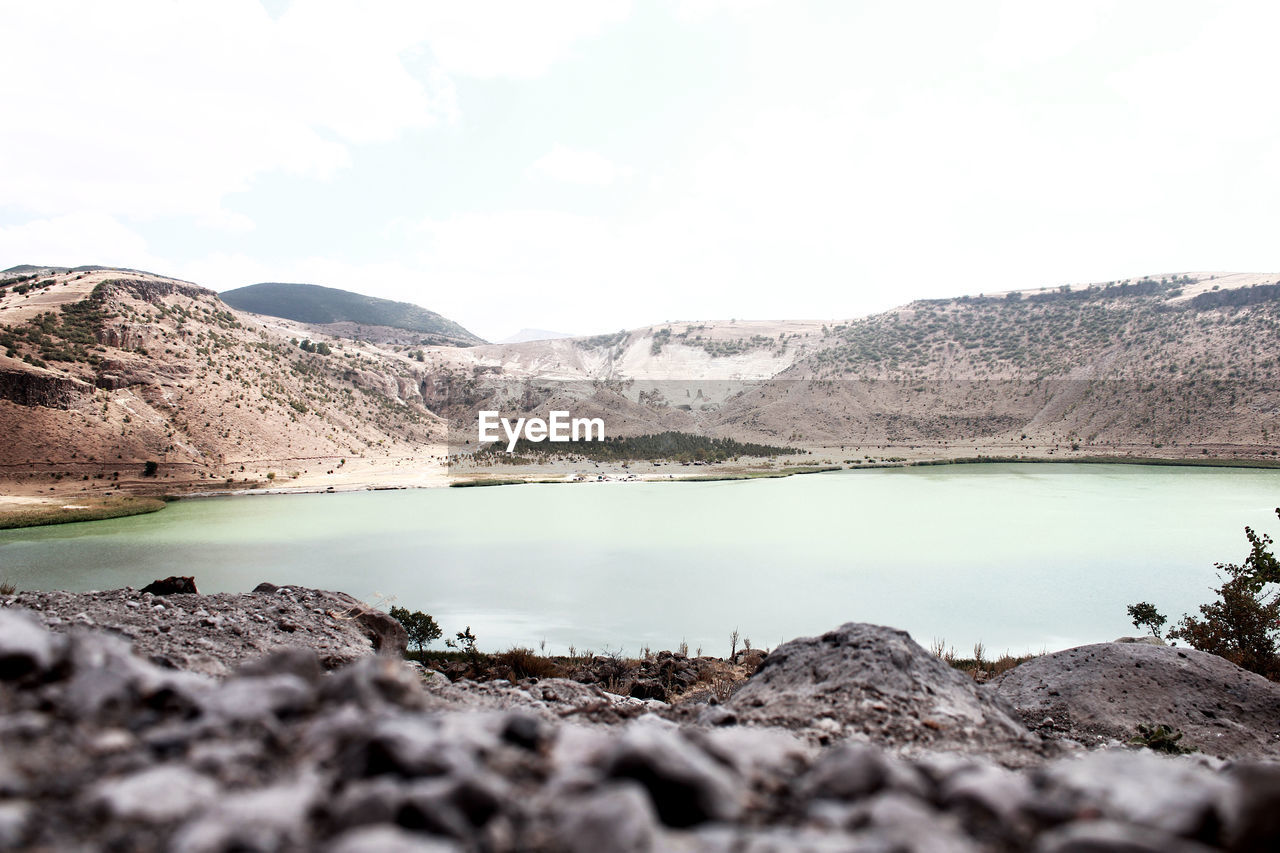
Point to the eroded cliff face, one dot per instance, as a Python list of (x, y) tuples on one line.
[(33, 387), (154, 289)]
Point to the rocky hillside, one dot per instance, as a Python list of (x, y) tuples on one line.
[(1176, 365), (102, 373), (350, 315)]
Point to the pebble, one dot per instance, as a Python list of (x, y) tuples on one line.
[(158, 794)]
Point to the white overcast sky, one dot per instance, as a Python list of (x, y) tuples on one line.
[(585, 165)]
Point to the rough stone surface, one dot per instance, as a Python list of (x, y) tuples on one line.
[(1093, 694), (101, 749), (215, 633), (871, 682), (172, 585)]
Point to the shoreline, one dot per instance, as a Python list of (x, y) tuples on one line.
[(18, 511), (45, 514)]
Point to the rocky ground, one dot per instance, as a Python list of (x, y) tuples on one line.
[(855, 740), (213, 634)]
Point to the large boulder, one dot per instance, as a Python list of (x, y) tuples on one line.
[(872, 683), (1104, 691)]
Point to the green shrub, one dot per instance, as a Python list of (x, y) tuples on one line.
[(1145, 615), (421, 628), (1161, 738), (1243, 624)]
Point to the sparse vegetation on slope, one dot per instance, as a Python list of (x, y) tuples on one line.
[(1125, 330), (125, 371)]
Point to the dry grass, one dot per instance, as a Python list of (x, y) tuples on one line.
[(526, 663), (979, 667), (83, 509)]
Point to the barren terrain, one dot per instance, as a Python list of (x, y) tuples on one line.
[(104, 371)]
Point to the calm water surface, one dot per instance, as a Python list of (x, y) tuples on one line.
[(1019, 556)]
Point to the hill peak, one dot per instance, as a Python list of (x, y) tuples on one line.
[(326, 306)]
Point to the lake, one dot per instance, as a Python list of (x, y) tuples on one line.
[(1023, 557)]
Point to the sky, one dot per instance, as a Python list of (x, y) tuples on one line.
[(589, 165)]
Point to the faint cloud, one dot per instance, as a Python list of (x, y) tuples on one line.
[(74, 240), (160, 109), (512, 38), (579, 166), (695, 11)]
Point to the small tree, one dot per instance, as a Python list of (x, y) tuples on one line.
[(1145, 615), (465, 641), (420, 627), (1243, 625), (150, 467)]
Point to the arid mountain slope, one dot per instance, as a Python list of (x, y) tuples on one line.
[(101, 372), (1172, 365)]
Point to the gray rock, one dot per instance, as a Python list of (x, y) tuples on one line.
[(1105, 836), (1103, 691), (994, 804), (15, 821), (1253, 821), (271, 818), (259, 698), (158, 794), (1172, 795), (375, 682), (105, 750), (230, 630), (25, 648), (908, 824), (459, 806), (408, 747), (732, 839), (618, 818), (686, 786), (848, 772), (389, 839), (286, 660), (877, 683)]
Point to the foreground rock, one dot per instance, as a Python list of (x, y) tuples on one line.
[(212, 634), (875, 684), (1104, 691), (100, 749)]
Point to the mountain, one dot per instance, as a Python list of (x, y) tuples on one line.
[(347, 313), (1174, 365), (36, 269), (526, 335), (103, 371)]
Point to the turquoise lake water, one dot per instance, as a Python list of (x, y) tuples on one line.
[(1022, 557)]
